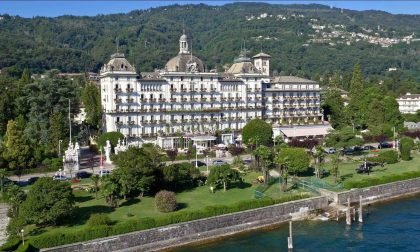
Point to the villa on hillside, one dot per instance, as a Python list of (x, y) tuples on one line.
[(409, 103)]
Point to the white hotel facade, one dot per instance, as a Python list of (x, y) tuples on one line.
[(184, 99)]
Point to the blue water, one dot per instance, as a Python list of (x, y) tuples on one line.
[(392, 226)]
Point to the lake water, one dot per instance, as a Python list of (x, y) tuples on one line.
[(391, 226)]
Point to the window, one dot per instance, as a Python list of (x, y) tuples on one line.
[(182, 78), (118, 118), (116, 78)]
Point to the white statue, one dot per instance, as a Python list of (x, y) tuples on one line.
[(71, 157), (121, 147), (108, 152)]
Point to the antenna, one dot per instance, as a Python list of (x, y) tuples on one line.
[(183, 26), (117, 41), (191, 48), (261, 46), (69, 122)]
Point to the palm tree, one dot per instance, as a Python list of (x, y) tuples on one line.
[(95, 179), (335, 161), (318, 155), (265, 158), (284, 168)]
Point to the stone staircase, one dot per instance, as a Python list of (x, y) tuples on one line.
[(4, 220)]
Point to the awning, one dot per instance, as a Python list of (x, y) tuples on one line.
[(203, 138), (306, 131)]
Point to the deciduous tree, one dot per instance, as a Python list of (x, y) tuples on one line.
[(223, 175), (49, 202)]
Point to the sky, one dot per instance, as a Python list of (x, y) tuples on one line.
[(92, 8)]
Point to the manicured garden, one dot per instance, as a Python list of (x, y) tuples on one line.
[(379, 175), (141, 213)]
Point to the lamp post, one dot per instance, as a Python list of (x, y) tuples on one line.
[(196, 156), (59, 147), (207, 163), (22, 235), (59, 173)]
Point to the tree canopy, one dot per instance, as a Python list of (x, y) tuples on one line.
[(257, 132), (49, 202), (296, 159)]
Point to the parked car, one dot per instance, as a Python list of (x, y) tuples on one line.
[(369, 147), (358, 148), (330, 150), (247, 161), (219, 162), (384, 145), (199, 163), (32, 180), (61, 178), (83, 174), (348, 151), (104, 173)]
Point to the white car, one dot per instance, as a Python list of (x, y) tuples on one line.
[(104, 173)]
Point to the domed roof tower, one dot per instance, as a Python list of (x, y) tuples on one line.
[(184, 61)]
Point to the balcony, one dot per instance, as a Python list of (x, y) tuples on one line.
[(119, 100), (119, 124), (117, 90), (130, 100), (129, 90)]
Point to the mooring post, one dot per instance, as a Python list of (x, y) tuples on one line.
[(354, 214), (360, 209), (290, 238), (348, 213), (338, 213)]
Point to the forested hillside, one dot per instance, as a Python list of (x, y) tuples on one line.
[(150, 37)]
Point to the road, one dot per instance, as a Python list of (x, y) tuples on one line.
[(92, 166)]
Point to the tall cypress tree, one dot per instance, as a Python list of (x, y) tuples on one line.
[(355, 111), (333, 105)]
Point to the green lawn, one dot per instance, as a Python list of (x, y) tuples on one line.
[(348, 172), (194, 199)]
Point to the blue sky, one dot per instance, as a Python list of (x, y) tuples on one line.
[(91, 8)]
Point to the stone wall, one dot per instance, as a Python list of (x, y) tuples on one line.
[(380, 192), (177, 234)]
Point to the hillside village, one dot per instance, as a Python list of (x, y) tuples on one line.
[(333, 34)]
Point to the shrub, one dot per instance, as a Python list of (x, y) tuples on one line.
[(25, 247), (165, 201), (99, 220), (389, 157), (406, 145)]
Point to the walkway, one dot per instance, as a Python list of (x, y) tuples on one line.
[(4, 220)]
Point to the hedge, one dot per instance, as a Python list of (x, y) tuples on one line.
[(388, 157), (380, 180), (11, 244), (52, 239)]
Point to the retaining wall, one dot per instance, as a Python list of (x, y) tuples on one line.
[(182, 233), (380, 192)]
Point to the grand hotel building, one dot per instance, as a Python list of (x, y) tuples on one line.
[(184, 99)]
